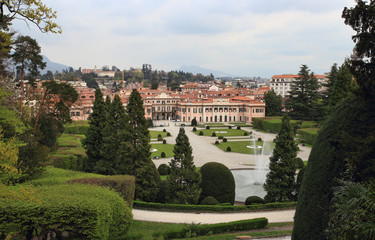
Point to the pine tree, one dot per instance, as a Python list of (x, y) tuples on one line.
[(93, 142), (183, 180), (273, 103), (135, 155), (280, 182), (303, 96)]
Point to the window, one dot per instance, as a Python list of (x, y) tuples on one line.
[(184, 110), (148, 110), (78, 114), (188, 109), (91, 96), (72, 114), (87, 111), (194, 110), (200, 110), (83, 97)]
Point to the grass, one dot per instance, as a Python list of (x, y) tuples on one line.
[(148, 229), (229, 132), (241, 124), (70, 140), (79, 123), (154, 134), (214, 124), (167, 148), (241, 146)]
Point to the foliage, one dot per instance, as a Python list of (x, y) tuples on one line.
[(213, 134), (194, 129), (298, 162), (209, 201), (229, 149), (164, 169), (216, 142), (9, 172), (254, 199), (353, 215), (183, 180), (200, 133), (273, 103), (218, 182), (280, 182), (32, 158), (162, 155), (163, 192), (308, 135), (194, 122), (303, 97)]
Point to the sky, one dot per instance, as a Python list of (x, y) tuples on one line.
[(240, 37)]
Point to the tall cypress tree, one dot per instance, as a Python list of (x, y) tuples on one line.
[(280, 183), (135, 157), (94, 138), (183, 180)]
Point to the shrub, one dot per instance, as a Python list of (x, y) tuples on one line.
[(150, 122), (159, 135), (299, 162), (200, 133), (162, 195), (168, 134), (76, 129), (164, 141), (229, 149), (238, 127), (209, 201), (194, 122), (71, 162), (214, 134), (245, 133), (253, 199), (84, 211), (220, 137), (216, 142), (123, 184), (207, 127), (308, 135), (164, 169), (162, 155), (230, 127), (160, 138), (164, 130), (194, 129), (225, 140), (259, 139), (218, 182)]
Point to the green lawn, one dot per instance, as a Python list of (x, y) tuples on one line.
[(154, 134), (70, 140), (167, 148), (241, 146), (228, 132), (241, 124), (214, 124)]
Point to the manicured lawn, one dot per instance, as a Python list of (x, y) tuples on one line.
[(167, 148), (70, 140), (214, 124), (154, 134), (225, 132), (79, 123), (241, 146), (241, 124)]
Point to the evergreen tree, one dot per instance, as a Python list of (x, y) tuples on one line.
[(273, 103), (304, 96), (93, 142), (280, 182), (135, 155), (183, 180)]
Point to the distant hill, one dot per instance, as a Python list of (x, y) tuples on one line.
[(52, 66), (196, 69)]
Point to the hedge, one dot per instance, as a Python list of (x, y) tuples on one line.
[(84, 211), (122, 184), (71, 162), (308, 135), (272, 124), (76, 129), (211, 208), (206, 229)]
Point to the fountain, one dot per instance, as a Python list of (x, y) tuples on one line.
[(249, 182)]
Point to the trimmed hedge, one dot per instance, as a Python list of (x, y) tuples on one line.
[(70, 162), (211, 208), (206, 229), (254, 199), (209, 201), (76, 129), (273, 124), (123, 184), (308, 135), (84, 211)]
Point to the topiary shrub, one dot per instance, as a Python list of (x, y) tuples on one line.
[(220, 137), (260, 139), (216, 142), (159, 135), (162, 155), (164, 169), (168, 134), (160, 139), (217, 182), (164, 141), (230, 127), (214, 134), (245, 133), (225, 140), (164, 130), (229, 149), (238, 127), (299, 162), (209, 201), (207, 127), (200, 133), (194, 129), (253, 199)]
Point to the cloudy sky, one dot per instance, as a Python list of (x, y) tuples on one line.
[(240, 37)]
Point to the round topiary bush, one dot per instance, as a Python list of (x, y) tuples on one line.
[(209, 201), (164, 130), (225, 140), (245, 133), (200, 133), (299, 162), (217, 182), (214, 134), (159, 135), (164, 169), (216, 142), (254, 199), (162, 154), (194, 129), (164, 141), (259, 139), (238, 127), (220, 137), (230, 127), (160, 139), (168, 134), (207, 127), (229, 149)]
